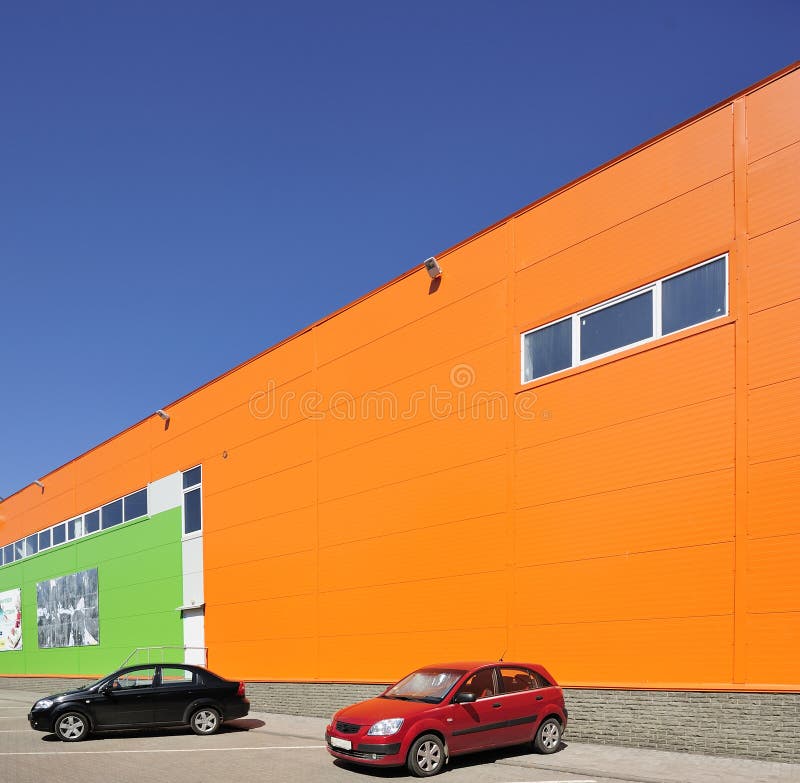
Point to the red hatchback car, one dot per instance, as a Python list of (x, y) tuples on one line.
[(448, 710)]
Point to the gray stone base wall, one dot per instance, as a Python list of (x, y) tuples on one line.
[(43, 685), (750, 725)]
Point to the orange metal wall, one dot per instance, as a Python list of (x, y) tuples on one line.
[(637, 526)]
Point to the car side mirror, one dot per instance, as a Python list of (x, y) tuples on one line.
[(465, 697), (105, 690)]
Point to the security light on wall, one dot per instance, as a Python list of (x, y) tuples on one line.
[(40, 485), (434, 270), (162, 414)]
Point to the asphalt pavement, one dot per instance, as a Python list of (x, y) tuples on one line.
[(290, 748)]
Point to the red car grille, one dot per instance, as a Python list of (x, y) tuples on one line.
[(347, 728)]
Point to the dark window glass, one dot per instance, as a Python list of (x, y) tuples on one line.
[(191, 478), (32, 544), (548, 350), (112, 514), (19, 549), (481, 684), (44, 540), (515, 680), (174, 675), (136, 505), (617, 325), (136, 678), (693, 297), (75, 528), (8, 554), (192, 511), (2, 557), (59, 534), (91, 522)]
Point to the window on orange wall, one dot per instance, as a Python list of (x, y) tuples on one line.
[(687, 298)]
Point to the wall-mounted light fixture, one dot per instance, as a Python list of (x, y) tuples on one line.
[(40, 485), (162, 414), (434, 270)]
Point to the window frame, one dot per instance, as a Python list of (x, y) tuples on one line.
[(185, 491), (656, 288)]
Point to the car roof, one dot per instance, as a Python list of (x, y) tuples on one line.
[(469, 665)]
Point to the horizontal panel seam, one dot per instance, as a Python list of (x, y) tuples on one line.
[(623, 422), (629, 486), (627, 555), (405, 325), (627, 220)]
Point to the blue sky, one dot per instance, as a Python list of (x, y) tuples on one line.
[(183, 184)]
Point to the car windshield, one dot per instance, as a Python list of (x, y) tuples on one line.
[(93, 683), (429, 685)]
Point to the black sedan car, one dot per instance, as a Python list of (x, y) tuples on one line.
[(166, 694)]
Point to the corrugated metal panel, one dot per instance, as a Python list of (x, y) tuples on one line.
[(689, 158), (773, 574), (684, 442), (689, 649), (775, 421), (774, 500), (773, 116), (774, 350), (364, 412), (472, 267), (672, 376), (769, 645), (774, 270), (478, 489), (670, 583), (678, 513), (628, 255), (774, 190)]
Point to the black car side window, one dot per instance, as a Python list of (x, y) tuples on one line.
[(136, 678), (176, 675)]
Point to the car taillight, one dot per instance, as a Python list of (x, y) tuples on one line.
[(240, 692)]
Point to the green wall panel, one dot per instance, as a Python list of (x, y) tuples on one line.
[(140, 585)]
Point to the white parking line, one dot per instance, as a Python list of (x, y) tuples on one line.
[(14, 731), (164, 750)]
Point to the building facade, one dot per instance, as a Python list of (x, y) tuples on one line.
[(580, 446)]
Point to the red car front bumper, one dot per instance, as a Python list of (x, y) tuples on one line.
[(355, 748)]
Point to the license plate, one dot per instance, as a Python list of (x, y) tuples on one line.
[(340, 743)]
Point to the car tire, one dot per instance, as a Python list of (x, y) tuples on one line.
[(71, 726), (205, 721), (548, 736), (426, 757)]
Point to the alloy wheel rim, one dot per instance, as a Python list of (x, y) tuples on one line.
[(70, 727), (205, 720), (429, 756), (550, 735)]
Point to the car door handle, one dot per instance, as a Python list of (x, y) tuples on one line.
[(539, 698), (496, 705)]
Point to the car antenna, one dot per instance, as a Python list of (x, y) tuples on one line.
[(503, 655)]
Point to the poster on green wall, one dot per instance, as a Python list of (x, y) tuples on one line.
[(11, 620), (66, 609)]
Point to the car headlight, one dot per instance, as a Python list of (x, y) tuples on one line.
[(386, 727), (43, 704)]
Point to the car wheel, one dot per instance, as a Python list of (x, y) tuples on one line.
[(548, 737), (71, 727), (426, 756), (204, 721)]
